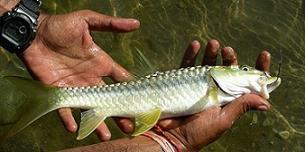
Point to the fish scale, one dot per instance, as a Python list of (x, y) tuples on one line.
[(160, 95), (163, 89)]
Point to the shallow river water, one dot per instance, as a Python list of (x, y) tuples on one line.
[(167, 26)]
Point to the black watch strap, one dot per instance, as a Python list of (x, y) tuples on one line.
[(32, 5), (29, 7)]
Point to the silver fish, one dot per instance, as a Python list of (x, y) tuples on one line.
[(160, 95)]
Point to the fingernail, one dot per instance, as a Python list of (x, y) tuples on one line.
[(133, 20), (229, 49), (127, 128), (130, 128), (267, 54), (127, 21), (74, 127), (215, 42), (266, 57), (195, 42), (107, 136), (263, 107), (227, 53)]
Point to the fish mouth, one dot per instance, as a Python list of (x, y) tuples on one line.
[(271, 84)]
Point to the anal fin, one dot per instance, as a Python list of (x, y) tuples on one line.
[(145, 121), (90, 120)]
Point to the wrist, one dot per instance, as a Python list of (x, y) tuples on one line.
[(41, 18), (171, 140), (181, 137), (40, 26), (139, 143)]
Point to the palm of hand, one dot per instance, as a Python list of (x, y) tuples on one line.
[(71, 56)]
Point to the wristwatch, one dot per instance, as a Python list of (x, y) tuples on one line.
[(18, 27)]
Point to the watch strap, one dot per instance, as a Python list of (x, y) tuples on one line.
[(29, 7), (32, 5)]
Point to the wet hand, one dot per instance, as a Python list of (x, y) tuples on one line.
[(203, 128), (64, 54)]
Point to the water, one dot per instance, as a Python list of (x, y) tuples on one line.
[(167, 27)]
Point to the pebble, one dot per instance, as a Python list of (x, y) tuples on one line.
[(254, 119), (284, 134), (271, 143)]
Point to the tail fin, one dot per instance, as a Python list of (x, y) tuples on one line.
[(38, 101)]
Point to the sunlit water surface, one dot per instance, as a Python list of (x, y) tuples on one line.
[(249, 26)]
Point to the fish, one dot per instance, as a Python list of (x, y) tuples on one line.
[(160, 95)]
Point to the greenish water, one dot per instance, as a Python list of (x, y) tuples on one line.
[(167, 27)]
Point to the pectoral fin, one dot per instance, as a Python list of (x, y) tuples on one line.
[(145, 121), (90, 120)]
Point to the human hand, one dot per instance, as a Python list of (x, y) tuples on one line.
[(64, 54), (203, 128)]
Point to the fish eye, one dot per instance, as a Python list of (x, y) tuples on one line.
[(245, 68)]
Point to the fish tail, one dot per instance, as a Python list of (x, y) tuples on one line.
[(40, 100)]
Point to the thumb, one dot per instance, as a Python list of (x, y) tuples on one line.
[(238, 107), (100, 22)]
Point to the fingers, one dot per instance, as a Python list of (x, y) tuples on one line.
[(106, 66), (190, 54), (210, 54), (229, 57), (235, 109), (119, 74), (68, 119), (125, 124), (170, 123), (103, 132), (100, 22), (263, 61)]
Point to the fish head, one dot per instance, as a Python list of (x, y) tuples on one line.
[(239, 80)]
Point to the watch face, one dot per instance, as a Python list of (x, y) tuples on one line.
[(17, 30)]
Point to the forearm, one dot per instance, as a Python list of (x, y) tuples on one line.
[(139, 143)]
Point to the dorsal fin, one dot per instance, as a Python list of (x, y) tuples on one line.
[(143, 66)]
